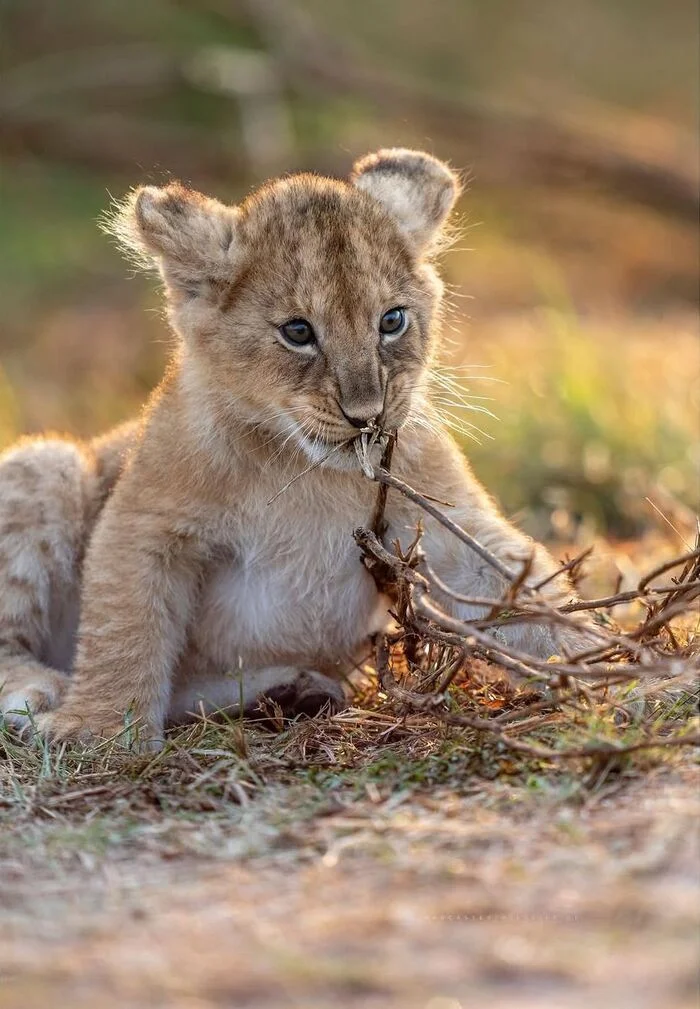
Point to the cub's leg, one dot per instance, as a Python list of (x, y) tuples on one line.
[(51, 492), (46, 499), (296, 691), (140, 585)]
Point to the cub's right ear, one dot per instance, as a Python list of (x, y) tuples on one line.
[(190, 237)]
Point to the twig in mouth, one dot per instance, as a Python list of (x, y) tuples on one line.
[(378, 524), (672, 604), (436, 646), (364, 443)]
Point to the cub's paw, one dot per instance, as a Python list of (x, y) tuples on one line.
[(66, 726), (316, 693), (22, 706), (310, 694)]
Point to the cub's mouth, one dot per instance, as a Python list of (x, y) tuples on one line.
[(371, 442), (362, 450)]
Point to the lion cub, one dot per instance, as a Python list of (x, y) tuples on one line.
[(152, 565)]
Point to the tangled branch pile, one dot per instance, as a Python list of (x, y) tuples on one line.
[(636, 689)]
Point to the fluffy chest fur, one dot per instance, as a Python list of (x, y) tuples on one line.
[(292, 589)]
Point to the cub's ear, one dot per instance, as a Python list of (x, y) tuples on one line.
[(418, 190), (191, 238)]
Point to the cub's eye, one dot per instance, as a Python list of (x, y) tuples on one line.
[(393, 323), (298, 333)]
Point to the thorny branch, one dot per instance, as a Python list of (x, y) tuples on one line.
[(600, 682)]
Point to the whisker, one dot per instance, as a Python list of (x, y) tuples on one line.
[(313, 466), (296, 430), (450, 382), (418, 420), (461, 426), (459, 373), (462, 405)]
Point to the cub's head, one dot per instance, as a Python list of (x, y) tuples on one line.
[(307, 310)]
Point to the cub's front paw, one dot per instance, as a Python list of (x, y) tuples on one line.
[(84, 729), (61, 727)]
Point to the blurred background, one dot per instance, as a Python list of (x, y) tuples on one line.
[(574, 283)]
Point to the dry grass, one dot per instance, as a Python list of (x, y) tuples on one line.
[(380, 857), (370, 859)]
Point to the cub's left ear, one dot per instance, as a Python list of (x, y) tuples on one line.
[(417, 190)]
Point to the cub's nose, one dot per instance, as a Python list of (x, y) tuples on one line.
[(360, 422)]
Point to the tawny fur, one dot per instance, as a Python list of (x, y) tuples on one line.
[(147, 572)]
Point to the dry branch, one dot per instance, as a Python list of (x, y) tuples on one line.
[(575, 687), (382, 476)]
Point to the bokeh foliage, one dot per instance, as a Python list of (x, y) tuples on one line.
[(581, 290)]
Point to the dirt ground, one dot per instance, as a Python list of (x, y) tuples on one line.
[(492, 894)]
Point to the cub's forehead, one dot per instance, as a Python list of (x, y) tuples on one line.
[(307, 219)]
